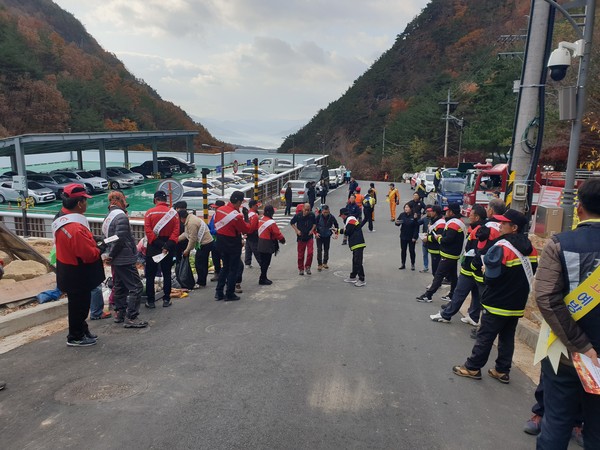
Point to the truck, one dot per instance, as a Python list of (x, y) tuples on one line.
[(275, 165), (484, 182)]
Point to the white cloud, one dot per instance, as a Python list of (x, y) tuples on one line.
[(241, 59)]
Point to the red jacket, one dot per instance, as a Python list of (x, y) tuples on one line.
[(267, 236), (170, 232), (234, 227)]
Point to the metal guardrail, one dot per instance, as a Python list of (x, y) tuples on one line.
[(40, 225)]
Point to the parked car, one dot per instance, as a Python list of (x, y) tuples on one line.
[(276, 165), (340, 176), (196, 183), (231, 180), (12, 173), (195, 200), (311, 172), (428, 177), (165, 168), (250, 170), (137, 178), (92, 183), (299, 187), (35, 190), (55, 182), (333, 179), (116, 180), (451, 190), (184, 166), (249, 178)]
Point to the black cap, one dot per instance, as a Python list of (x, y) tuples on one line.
[(236, 196), (454, 207), (344, 211), (160, 195), (252, 203), (513, 216)]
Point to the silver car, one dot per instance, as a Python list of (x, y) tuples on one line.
[(116, 180), (55, 182), (92, 184), (299, 188), (137, 178), (39, 193)]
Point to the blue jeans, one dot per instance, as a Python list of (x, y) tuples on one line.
[(464, 285), (425, 258), (563, 398), (97, 303)]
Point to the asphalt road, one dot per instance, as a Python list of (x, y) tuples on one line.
[(307, 363)]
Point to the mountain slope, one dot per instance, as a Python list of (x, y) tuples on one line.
[(55, 77)]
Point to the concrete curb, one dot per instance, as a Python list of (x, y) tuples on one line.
[(528, 332), (21, 320)]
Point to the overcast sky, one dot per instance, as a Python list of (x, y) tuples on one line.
[(235, 64)]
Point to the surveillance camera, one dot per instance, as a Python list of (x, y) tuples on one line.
[(558, 63)]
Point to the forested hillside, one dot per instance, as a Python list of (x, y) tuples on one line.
[(452, 45), (55, 78)]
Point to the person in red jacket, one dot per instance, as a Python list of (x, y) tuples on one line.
[(230, 224), (268, 237), (79, 268), (161, 225)]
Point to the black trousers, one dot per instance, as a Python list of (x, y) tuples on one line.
[(201, 261), (78, 307), (265, 262), (369, 218), (127, 290), (288, 208), (435, 262), (230, 272), (216, 258), (251, 249), (493, 326), (446, 269), (151, 269), (357, 264), (323, 244), (404, 244)]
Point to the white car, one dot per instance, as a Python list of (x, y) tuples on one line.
[(39, 193), (116, 180), (137, 178), (334, 181), (194, 198), (196, 183), (92, 184), (428, 177), (250, 170)]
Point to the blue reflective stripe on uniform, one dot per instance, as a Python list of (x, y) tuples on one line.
[(504, 312)]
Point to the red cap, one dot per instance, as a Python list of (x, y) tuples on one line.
[(75, 190)]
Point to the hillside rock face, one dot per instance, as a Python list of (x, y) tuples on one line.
[(24, 270)]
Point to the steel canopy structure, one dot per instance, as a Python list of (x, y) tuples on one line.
[(17, 147)]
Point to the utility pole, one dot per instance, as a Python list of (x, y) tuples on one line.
[(528, 102), (450, 107), (383, 145)]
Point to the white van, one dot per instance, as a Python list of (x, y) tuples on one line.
[(275, 165)]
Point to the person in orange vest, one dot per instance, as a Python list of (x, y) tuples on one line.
[(359, 197), (393, 198), (161, 225), (230, 224), (269, 236)]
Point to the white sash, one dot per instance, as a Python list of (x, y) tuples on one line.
[(163, 221), (264, 226), (69, 218), (251, 214), (225, 220), (435, 224), (106, 224), (201, 230), (494, 225), (524, 260)]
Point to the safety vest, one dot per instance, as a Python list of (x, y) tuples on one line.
[(457, 225)]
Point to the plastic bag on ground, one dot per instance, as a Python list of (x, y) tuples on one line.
[(185, 276)]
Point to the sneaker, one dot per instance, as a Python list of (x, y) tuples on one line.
[(265, 282), (219, 296), (90, 335), (301, 272), (501, 377), (438, 318), (308, 272), (425, 270), (167, 303), (412, 267), (402, 267), (577, 436), (150, 305), (344, 243), (325, 266), (83, 342), (424, 299), (462, 371), (351, 280), (446, 298), (238, 288), (104, 315), (534, 425), (467, 319), (320, 267), (135, 323), (360, 283), (232, 298)]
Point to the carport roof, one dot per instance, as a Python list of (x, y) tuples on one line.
[(33, 144)]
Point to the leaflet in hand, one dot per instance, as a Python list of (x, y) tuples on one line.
[(110, 239), (589, 374), (158, 258), (470, 253)]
